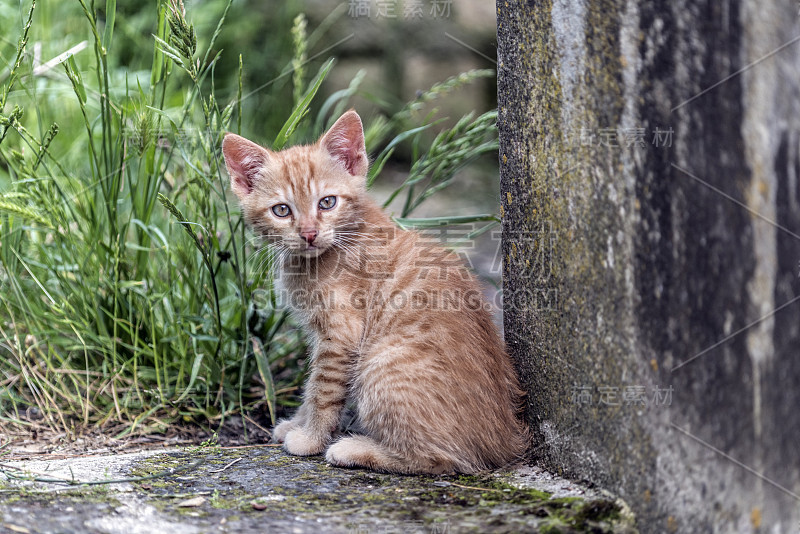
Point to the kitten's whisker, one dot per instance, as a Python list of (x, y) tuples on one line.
[(254, 255), (262, 266), (349, 241), (349, 236), (270, 257), (267, 250), (273, 261), (365, 237), (349, 244), (342, 242), (348, 248), (254, 258), (352, 232)]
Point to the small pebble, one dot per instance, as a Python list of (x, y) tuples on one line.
[(193, 502)]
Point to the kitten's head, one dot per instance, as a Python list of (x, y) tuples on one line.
[(303, 197)]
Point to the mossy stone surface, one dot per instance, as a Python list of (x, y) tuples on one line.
[(264, 489)]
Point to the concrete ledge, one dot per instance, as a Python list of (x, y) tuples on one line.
[(265, 490)]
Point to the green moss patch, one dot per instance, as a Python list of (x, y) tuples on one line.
[(266, 486)]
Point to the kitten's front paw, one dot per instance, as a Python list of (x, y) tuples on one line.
[(300, 443), (283, 428), (342, 453)]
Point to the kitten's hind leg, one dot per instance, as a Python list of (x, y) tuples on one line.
[(363, 451)]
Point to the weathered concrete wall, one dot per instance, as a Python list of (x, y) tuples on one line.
[(651, 195)]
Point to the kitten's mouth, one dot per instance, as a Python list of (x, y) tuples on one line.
[(311, 251)]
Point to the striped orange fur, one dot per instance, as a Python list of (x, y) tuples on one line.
[(395, 324)]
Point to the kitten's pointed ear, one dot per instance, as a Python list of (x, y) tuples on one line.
[(245, 161), (345, 143)]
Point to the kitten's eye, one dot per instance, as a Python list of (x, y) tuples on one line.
[(327, 203), (281, 210)]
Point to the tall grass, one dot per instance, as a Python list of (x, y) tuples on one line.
[(131, 295)]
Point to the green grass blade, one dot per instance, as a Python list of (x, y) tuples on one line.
[(157, 67), (266, 376), (380, 161), (301, 109), (198, 360), (111, 15), (182, 220), (75, 77)]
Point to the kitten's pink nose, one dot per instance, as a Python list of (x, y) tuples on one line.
[(308, 235)]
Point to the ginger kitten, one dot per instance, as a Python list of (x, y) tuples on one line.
[(396, 325)]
